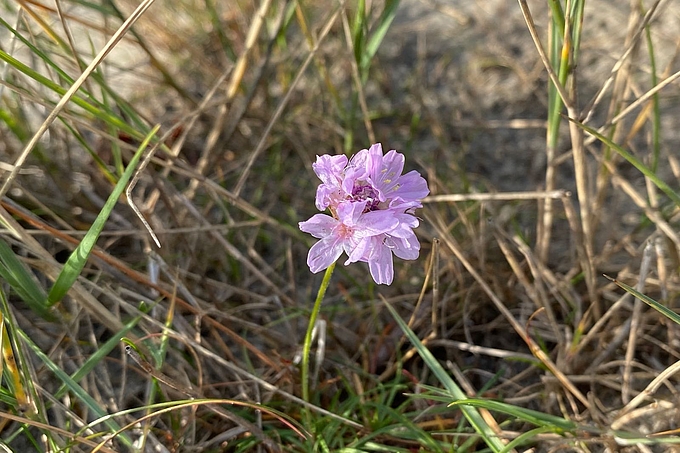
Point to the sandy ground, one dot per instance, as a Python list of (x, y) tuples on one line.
[(480, 75)]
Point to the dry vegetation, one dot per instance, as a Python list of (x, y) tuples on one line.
[(508, 294)]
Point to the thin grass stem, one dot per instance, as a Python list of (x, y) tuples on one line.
[(306, 346), (141, 9)]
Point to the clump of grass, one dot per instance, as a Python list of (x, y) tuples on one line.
[(504, 335)]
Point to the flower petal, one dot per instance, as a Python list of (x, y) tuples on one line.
[(349, 213), (387, 178), (329, 168), (374, 161), (359, 252), (372, 205), (411, 188), (407, 248), (319, 225), (376, 222), (380, 264), (324, 253)]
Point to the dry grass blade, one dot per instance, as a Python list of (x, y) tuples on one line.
[(528, 18), (645, 97), (141, 9), (653, 386), (131, 351), (617, 68), (635, 323), (356, 77), (8, 364), (577, 144), (51, 268), (507, 196), (453, 245), (245, 172), (79, 439)]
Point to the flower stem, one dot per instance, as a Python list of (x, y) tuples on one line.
[(307, 345)]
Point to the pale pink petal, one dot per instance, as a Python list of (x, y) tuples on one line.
[(324, 253), (407, 248), (388, 176), (406, 224), (360, 159), (411, 187), (376, 222), (352, 175), (319, 225), (329, 168), (349, 213), (359, 252), (381, 265), (374, 161), (372, 206)]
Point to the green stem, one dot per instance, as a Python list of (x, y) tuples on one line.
[(307, 345)]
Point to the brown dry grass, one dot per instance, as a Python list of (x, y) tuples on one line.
[(508, 292)]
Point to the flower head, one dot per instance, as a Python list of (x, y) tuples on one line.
[(371, 205)]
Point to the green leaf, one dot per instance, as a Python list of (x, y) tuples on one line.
[(359, 31), (90, 104), (537, 418)]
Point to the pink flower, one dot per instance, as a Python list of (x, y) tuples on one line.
[(372, 207)]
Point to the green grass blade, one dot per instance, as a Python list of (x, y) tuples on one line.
[(359, 32), (41, 55), (526, 438), (404, 428), (80, 102), (102, 352), (473, 416), (90, 104), (537, 418), (9, 368), (376, 38), (19, 372), (667, 312), (555, 103), (577, 15), (637, 163), (626, 438), (557, 15), (15, 120), (22, 281), (76, 389), (75, 263), (216, 21)]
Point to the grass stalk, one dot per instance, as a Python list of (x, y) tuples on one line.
[(307, 343), (141, 9), (481, 426)]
